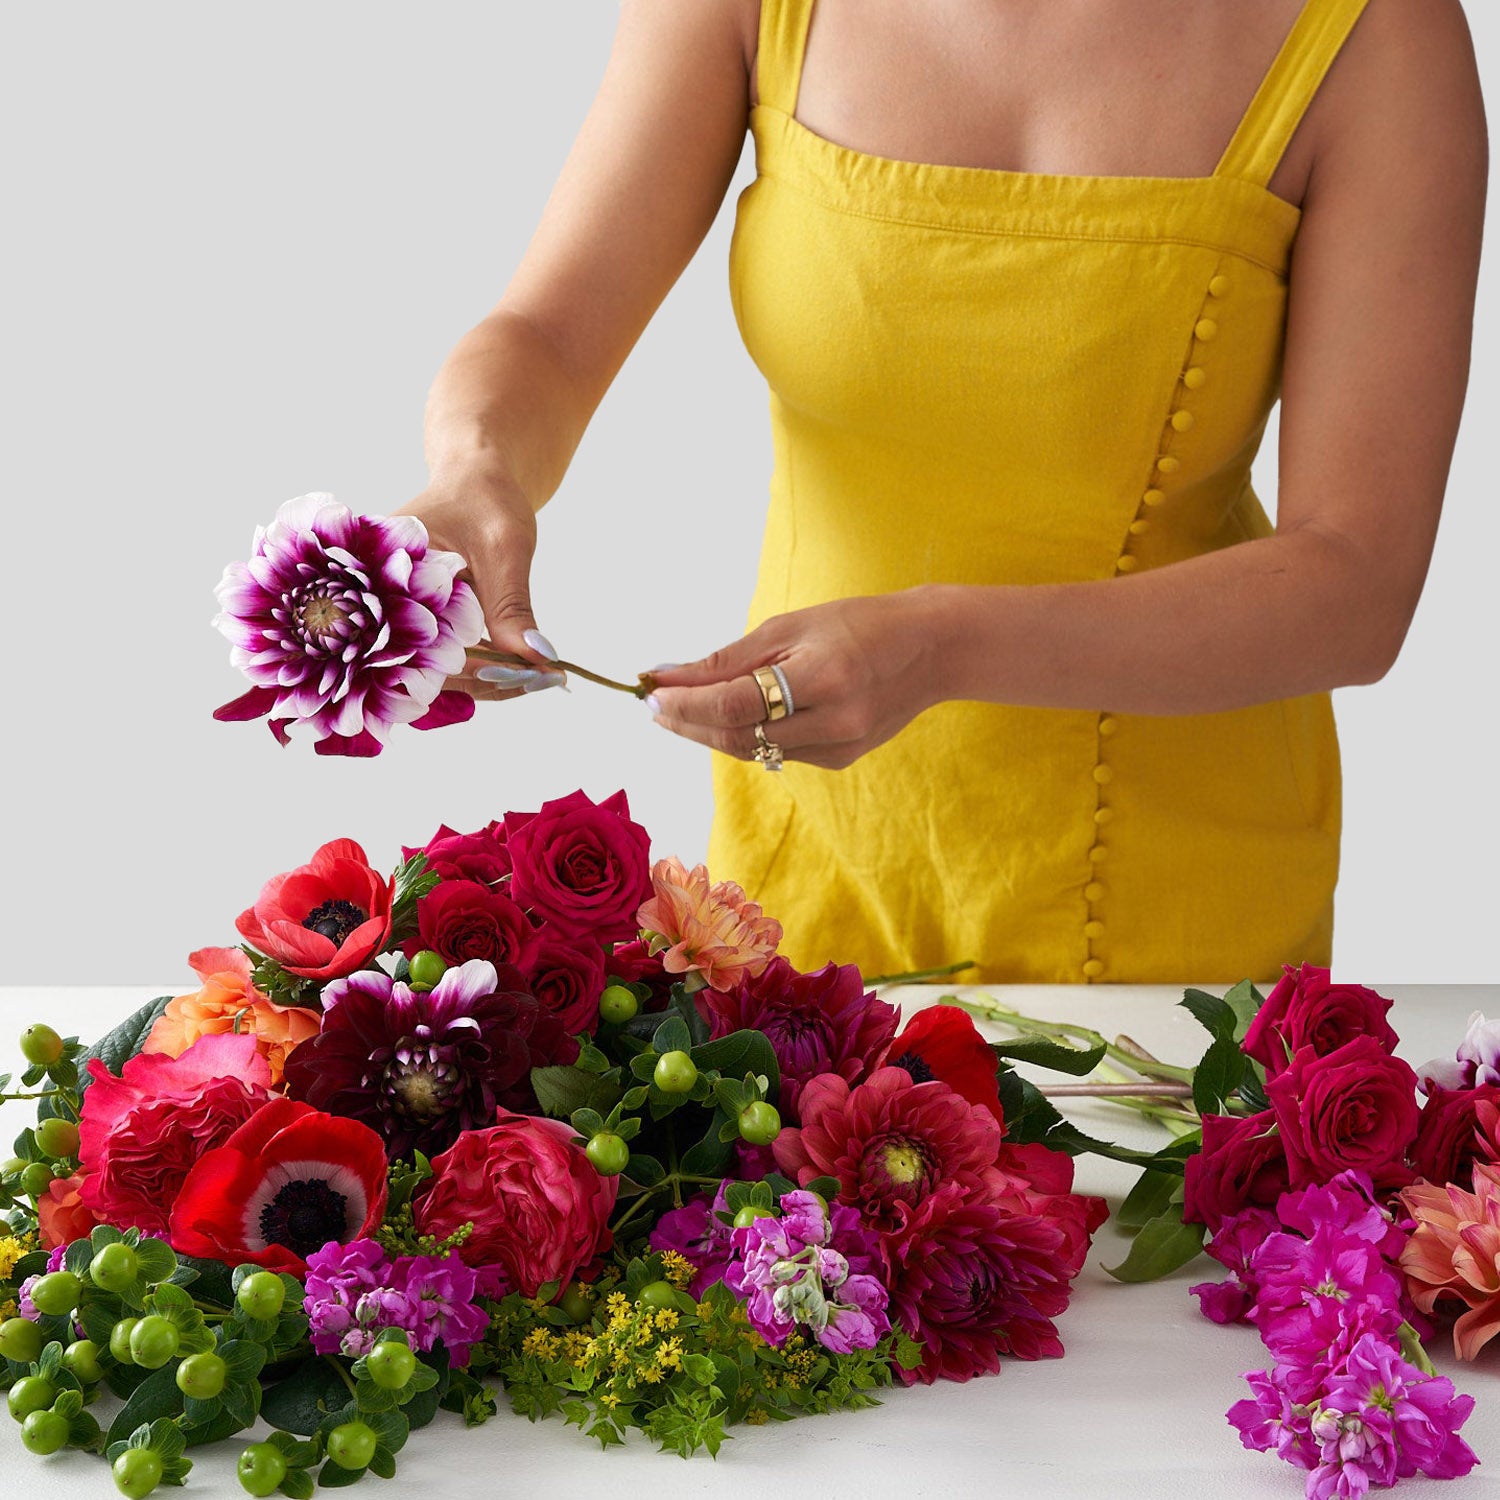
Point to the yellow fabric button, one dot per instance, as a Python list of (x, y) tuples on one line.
[(1107, 726), (1182, 420), (1168, 463), (1218, 286), (1093, 929), (1093, 968), (1103, 775), (1194, 376), (1102, 815), (1205, 329), (1098, 854), (1139, 528), (1127, 564), (1093, 891), (1153, 497)]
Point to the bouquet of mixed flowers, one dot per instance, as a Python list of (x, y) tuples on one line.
[(1350, 1219), (531, 1108)]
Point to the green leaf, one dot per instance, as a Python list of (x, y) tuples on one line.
[(212, 1284), (1212, 1013), (334, 1476), (1163, 1244), (562, 1090), (77, 1256), (709, 1156), (672, 1035), (155, 1398), (157, 1262), (739, 1053), (1150, 1196), (1244, 1000), (298, 1485), (1217, 1075), (123, 1042), (645, 1171), (301, 1401), (1043, 1052)]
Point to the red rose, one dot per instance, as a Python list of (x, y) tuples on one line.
[(140, 1133), (1305, 1010), (539, 1209), (1241, 1164), (60, 1212), (1458, 1127), (567, 980), (480, 856), (324, 919), (286, 1183), (461, 919), (580, 866), (1356, 1108)]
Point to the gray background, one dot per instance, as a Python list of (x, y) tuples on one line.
[(240, 242)]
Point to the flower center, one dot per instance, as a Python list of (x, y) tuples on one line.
[(304, 1216), (903, 1162), (335, 920), (321, 616), (916, 1066), (419, 1085)]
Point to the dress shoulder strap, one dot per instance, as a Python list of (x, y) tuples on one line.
[(1287, 89), (778, 55)]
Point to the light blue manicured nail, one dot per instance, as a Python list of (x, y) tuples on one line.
[(653, 703), (511, 676), (542, 680), (538, 642)]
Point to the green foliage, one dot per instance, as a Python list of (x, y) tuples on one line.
[(115, 1047), (413, 881)]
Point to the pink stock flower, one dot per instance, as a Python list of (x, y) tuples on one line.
[(713, 931), (1453, 1255), (348, 624)]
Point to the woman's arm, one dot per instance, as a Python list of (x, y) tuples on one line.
[(1379, 324), (638, 191)]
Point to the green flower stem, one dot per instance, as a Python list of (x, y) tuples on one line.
[(1412, 1351), (510, 659), (343, 1374), (44, 1094), (1121, 1091), (1143, 1062), (918, 976)]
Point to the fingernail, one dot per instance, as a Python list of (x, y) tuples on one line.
[(653, 703), (511, 676), (538, 642), (664, 666), (542, 680)]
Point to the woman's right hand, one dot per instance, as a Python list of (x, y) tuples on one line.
[(492, 526)]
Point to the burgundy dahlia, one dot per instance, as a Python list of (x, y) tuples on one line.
[(349, 624), (418, 1068), (821, 1023)]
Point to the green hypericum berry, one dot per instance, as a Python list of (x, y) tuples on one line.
[(13, 1166), (41, 1044), (608, 1153), (576, 1303), (750, 1213), (20, 1340), (659, 1294), (153, 1341), (351, 1445), (390, 1364), (427, 968), (202, 1376), (58, 1292), (57, 1137), (617, 1005), (30, 1393), (759, 1123), (119, 1340), (137, 1472), (261, 1468), (82, 1358), (676, 1073), (45, 1432), (114, 1267), (262, 1294), (36, 1179)]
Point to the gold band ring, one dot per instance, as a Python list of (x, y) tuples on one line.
[(767, 752), (775, 691)]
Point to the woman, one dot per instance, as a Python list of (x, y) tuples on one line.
[(1058, 688)]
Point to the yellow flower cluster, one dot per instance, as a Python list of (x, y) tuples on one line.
[(677, 1269), (12, 1248)]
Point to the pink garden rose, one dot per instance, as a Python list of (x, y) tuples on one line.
[(141, 1133), (1305, 1010), (539, 1209)]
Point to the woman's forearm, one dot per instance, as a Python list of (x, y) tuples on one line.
[(1273, 618), (505, 406)]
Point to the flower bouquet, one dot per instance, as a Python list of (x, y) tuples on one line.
[(533, 1115)]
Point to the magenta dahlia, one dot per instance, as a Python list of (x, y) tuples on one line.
[(349, 624), (821, 1023), (417, 1067)]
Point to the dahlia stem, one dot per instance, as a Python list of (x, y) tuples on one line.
[(510, 659), (916, 976)]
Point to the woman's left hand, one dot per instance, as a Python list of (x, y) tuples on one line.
[(859, 670)]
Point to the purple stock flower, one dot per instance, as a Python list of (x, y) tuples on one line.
[(1270, 1419), (337, 1277), (1346, 1203), (349, 624), (697, 1233), (1234, 1245)]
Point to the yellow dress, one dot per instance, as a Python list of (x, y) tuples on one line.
[(994, 377)]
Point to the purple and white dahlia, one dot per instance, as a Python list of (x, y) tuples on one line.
[(349, 624)]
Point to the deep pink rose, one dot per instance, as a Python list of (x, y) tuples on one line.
[(1355, 1108), (461, 920), (567, 979), (539, 1209), (581, 867), (140, 1133), (1242, 1164), (480, 856), (1305, 1010), (1458, 1127)]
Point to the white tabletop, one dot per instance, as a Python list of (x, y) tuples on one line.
[(1135, 1408)]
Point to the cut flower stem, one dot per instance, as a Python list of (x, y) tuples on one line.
[(510, 659)]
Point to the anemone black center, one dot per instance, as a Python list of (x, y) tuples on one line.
[(335, 920), (916, 1066), (304, 1216)]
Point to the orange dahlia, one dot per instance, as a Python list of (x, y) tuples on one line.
[(713, 934), (1453, 1255)]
